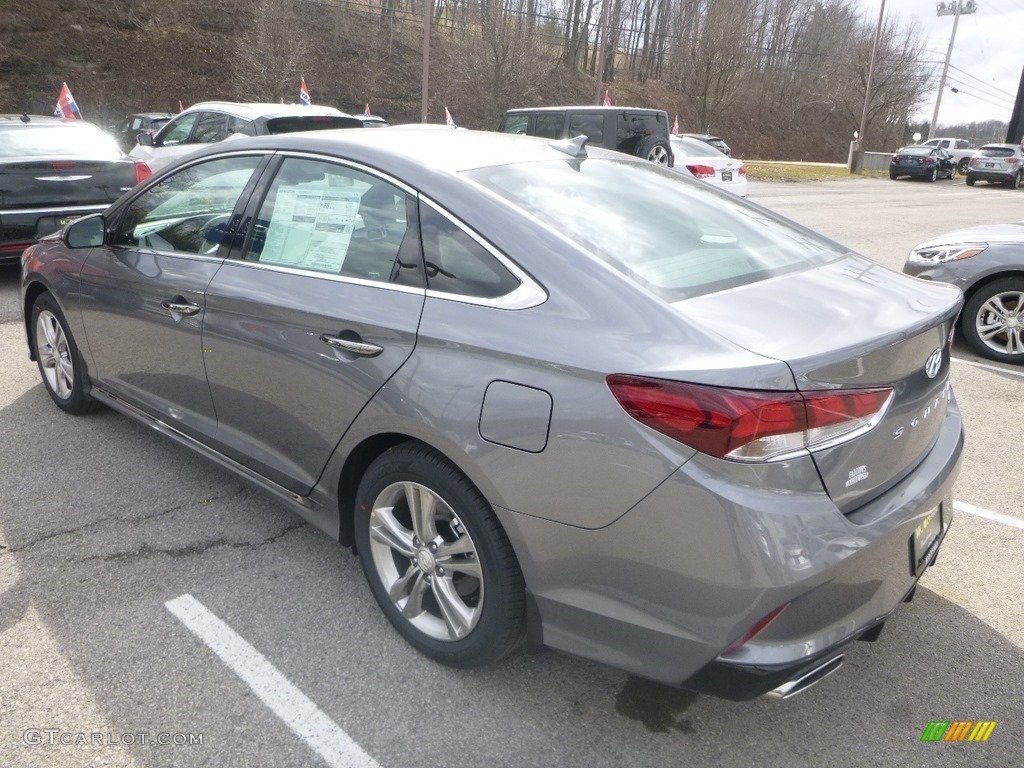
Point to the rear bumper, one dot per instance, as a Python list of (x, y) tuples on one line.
[(992, 176), (915, 173), (664, 590)]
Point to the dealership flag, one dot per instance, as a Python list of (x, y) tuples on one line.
[(66, 106), (304, 92), (367, 111), (181, 107), (607, 98), (675, 127), (448, 119)]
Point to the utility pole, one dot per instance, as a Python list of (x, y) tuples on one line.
[(602, 33), (858, 159), (953, 8), (428, 8)]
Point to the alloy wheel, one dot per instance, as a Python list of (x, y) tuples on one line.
[(54, 355)]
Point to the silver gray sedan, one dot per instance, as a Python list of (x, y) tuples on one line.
[(987, 264), (547, 393)]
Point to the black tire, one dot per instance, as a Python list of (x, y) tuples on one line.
[(1014, 182), (934, 174), (952, 172), (654, 149), (1000, 298), (892, 176), (60, 363), (396, 560), (962, 165), (970, 180)]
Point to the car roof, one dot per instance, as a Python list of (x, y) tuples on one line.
[(4, 119), (254, 110), (588, 107), (46, 122), (417, 150)]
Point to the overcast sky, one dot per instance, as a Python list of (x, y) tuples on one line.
[(988, 56)]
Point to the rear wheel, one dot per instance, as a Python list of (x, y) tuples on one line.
[(654, 149), (993, 320), (58, 358), (1014, 182), (970, 180), (437, 560), (892, 176)]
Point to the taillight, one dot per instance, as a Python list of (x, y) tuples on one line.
[(701, 171), (1011, 160), (62, 165), (749, 425), (142, 172), (743, 170)]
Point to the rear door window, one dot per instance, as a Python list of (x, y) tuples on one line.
[(212, 127), (548, 125), (590, 125), (515, 124)]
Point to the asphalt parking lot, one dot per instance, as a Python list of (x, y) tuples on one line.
[(147, 596)]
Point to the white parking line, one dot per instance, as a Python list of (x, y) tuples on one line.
[(970, 509), (286, 701), (995, 368)]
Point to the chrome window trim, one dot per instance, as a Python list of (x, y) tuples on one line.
[(528, 294), (382, 284)]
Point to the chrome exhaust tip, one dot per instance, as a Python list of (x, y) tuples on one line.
[(807, 679)]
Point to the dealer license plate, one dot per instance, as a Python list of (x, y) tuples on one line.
[(726, 175), (924, 540)]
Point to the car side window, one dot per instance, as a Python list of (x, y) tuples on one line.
[(240, 125), (591, 126), (516, 124), (189, 211), (178, 130), (548, 125), (457, 263), (328, 218), (212, 127)]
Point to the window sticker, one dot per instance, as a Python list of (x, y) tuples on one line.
[(311, 229)]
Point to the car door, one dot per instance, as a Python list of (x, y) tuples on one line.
[(310, 318), (143, 293)]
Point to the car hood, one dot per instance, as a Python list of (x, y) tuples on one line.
[(989, 233)]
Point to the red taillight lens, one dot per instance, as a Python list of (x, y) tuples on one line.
[(1011, 160), (142, 172), (743, 170), (62, 165), (701, 171), (749, 635), (749, 425)]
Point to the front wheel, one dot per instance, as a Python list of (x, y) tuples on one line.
[(952, 172), (437, 560), (962, 165), (58, 358), (993, 320)]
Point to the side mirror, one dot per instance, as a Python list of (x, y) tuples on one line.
[(87, 232), (145, 139)]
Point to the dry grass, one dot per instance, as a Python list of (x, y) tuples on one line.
[(760, 170)]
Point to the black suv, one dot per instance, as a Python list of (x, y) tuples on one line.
[(635, 131)]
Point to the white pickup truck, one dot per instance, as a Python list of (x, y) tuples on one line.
[(961, 150)]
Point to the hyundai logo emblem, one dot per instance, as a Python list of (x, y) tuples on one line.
[(933, 364)]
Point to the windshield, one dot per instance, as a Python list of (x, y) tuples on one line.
[(58, 140), (677, 237)]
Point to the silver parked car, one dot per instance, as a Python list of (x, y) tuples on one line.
[(997, 164), (987, 264), (546, 391)]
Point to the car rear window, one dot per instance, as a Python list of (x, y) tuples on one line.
[(996, 152), (58, 139), (917, 150), (294, 123), (672, 235)]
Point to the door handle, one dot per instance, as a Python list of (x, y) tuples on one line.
[(181, 308), (361, 348)]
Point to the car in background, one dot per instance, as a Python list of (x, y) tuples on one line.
[(425, 341), (987, 264), (142, 122), (708, 164), (715, 141), (920, 162), (997, 164), (51, 172), (211, 121), (636, 131), (960, 149), (372, 121)]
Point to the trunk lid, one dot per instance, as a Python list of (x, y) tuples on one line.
[(852, 324), (58, 183)]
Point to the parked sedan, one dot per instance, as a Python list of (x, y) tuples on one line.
[(987, 264), (212, 121), (715, 141), (997, 164), (531, 404), (52, 172), (922, 162), (708, 164)]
